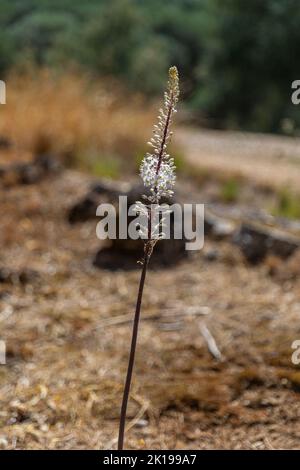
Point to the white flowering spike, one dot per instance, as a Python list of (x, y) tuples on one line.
[(157, 168), (158, 174)]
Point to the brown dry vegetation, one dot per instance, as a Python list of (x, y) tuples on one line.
[(67, 330), (73, 117)]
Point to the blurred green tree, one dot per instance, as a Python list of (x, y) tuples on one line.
[(119, 41), (251, 59), (7, 53), (237, 59)]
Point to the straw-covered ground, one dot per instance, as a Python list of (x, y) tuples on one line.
[(67, 329)]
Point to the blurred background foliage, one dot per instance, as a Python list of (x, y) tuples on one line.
[(237, 59)]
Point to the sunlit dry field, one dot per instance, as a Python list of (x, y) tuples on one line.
[(67, 324), (75, 117)]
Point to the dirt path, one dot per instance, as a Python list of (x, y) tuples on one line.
[(265, 159)]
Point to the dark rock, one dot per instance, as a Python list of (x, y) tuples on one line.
[(27, 276), (47, 162), (4, 275), (114, 260), (255, 243), (208, 225), (29, 172), (85, 209), (5, 143), (282, 247), (211, 255), (102, 191), (105, 191), (123, 254), (24, 276)]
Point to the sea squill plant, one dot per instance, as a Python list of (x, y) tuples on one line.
[(158, 174)]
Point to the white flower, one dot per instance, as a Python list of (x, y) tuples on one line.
[(157, 169), (161, 182)]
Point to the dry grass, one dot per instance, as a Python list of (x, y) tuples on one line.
[(67, 328), (67, 331), (81, 120)]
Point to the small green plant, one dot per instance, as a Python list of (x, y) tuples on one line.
[(230, 190), (288, 204), (106, 167), (179, 160)]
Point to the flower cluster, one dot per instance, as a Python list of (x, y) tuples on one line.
[(160, 183), (157, 169), (158, 174)]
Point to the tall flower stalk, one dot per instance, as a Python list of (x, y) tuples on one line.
[(158, 174)]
